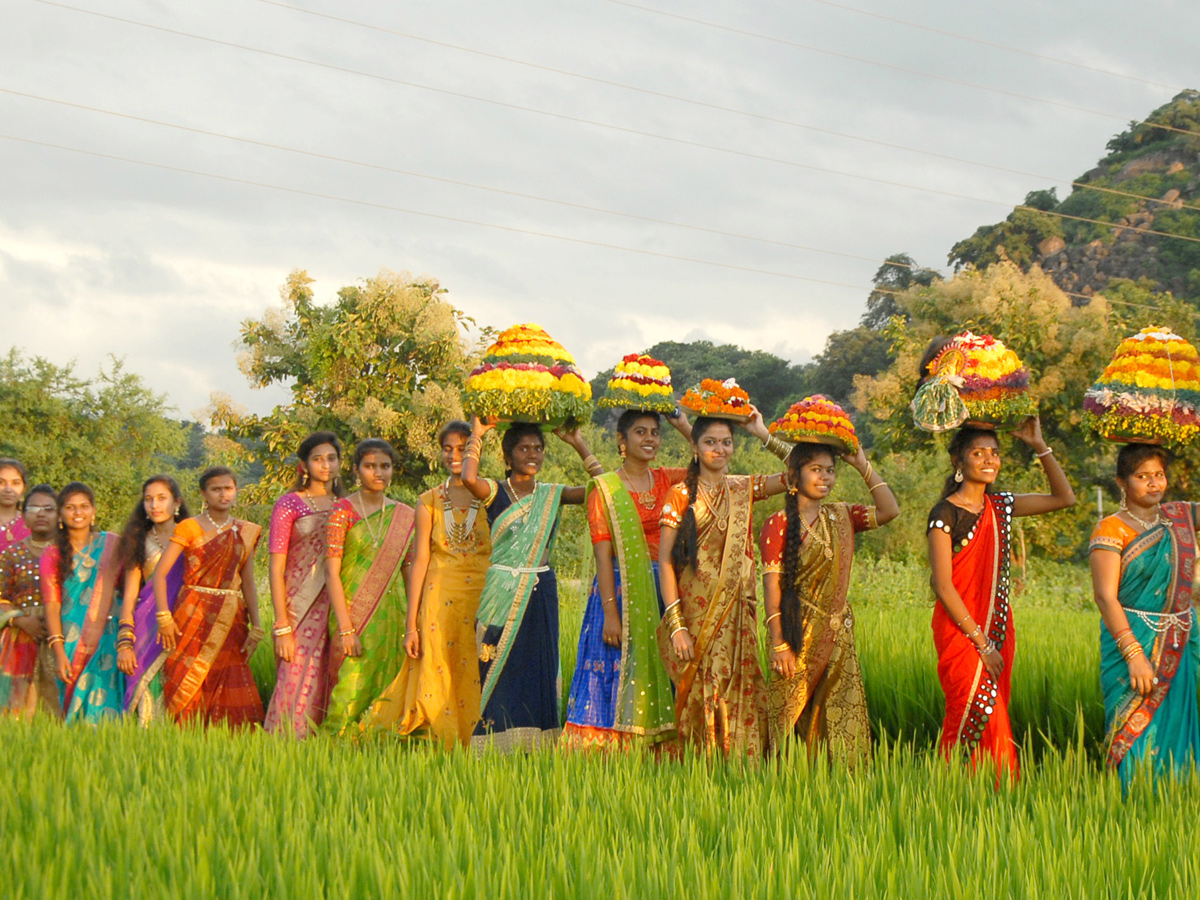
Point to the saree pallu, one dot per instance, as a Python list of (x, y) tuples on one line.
[(1161, 731), (437, 695), (207, 677), (302, 686), (621, 694), (27, 682), (824, 703), (144, 688), (378, 604), (720, 696), (976, 723), (96, 689), (517, 628)]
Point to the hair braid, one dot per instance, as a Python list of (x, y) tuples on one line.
[(791, 610), (684, 551)]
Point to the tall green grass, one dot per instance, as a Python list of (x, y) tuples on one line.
[(120, 812)]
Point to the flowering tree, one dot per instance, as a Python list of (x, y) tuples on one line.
[(386, 359)]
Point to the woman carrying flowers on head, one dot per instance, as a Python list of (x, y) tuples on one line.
[(369, 552), (214, 628), (968, 535), (621, 692), (436, 694), (299, 523), (517, 629), (27, 682), (79, 575), (145, 537), (816, 693), (706, 569), (1143, 564)]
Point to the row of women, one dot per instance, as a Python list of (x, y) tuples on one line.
[(442, 621)]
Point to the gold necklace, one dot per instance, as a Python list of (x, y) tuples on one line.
[(39, 546), (825, 542), (646, 497), (458, 534), (1158, 517), (716, 498), (366, 520)]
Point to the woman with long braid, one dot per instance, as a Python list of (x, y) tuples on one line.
[(706, 570), (816, 694)]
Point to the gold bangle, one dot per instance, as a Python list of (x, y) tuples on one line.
[(55, 639), (775, 615), (128, 622), (871, 487), (679, 629), (347, 632), (777, 446), (779, 648), (870, 471)]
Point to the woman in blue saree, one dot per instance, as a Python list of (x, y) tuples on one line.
[(1143, 564), (79, 573), (517, 623)]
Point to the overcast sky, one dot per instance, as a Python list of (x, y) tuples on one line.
[(101, 256)]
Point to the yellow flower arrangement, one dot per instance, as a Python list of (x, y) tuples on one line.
[(974, 378), (527, 376), (817, 419), (1149, 393), (640, 382)]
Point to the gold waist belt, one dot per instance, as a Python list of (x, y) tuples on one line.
[(224, 592)]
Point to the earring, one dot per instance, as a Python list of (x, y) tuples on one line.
[(958, 475), (204, 507), (1122, 506), (304, 480), (621, 451), (176, 514)]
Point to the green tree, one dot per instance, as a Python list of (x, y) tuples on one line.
[(385, 359), (1016, 238), (110, 432), (898, 273), (1065, 346)]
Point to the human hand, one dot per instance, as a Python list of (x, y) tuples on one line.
[(168, 634), (34, 626), (285, 647), (783, 662), (1030, 432), (612, 626), (1141, 674), (682, 644), (126, 659), (412, 645)]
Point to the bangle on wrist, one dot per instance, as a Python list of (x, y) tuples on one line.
[(878, 484), (1045, 452), (780, 647)]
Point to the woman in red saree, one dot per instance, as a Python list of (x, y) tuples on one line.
[(214, 629), (297, 542), (968, 536)]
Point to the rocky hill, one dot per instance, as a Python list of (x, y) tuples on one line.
[(1106, 229)]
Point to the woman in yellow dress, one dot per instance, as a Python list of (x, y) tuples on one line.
[(436, 694)]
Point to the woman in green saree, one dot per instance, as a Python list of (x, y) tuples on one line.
[(1143, 562), (369, 537)]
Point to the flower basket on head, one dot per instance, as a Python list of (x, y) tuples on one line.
[(975, 380), (718, 400), (1149, 393), (642, 383), (817, 420), (527, 376)]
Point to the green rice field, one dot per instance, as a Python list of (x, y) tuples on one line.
[(118, 812)]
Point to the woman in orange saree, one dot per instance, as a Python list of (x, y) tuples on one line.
[(972, 621), (708, 636), (215, 627)]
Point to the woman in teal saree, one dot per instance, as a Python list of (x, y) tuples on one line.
[(1143, 563)]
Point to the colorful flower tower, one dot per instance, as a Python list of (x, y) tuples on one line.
[(640, 382), (718, 400), (527, 376), (817, 420), (1149, 393), (977, 380)]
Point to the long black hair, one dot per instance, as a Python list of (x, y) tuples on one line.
[(137, 526), (791, 608), (304, 451), (62, 538), (959, 445), (684, 551), (512, 437)]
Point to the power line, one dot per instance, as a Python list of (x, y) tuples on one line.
[(995, 45), (530, 109), (437, 178), (417, 212), (703, 103), (883, 65)]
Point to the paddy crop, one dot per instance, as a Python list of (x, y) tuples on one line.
[(119, 812)]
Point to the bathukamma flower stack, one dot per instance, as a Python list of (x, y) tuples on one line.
[(1149, 392), (817, 420), (718, 400), (640, 382), (527, 376), (975, 379)]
